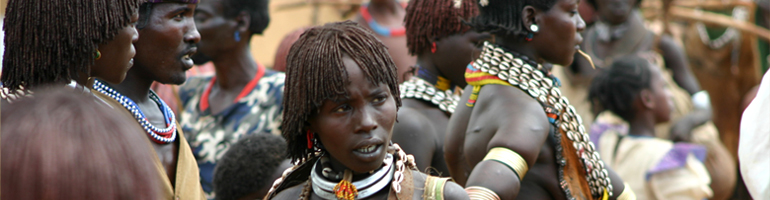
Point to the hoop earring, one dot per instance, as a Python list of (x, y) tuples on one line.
[(237, 36), (98, 55)]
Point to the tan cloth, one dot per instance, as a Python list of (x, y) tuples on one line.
[(187, 181), (635, 157)]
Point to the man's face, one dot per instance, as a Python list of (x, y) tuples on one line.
[(167, 42)]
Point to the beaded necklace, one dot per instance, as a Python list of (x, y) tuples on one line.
[(496, 66), (158, 135), (380, 29), (439, 93)]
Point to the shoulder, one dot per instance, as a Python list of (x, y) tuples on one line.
[(291, 193), (411, 120), (273, 77), (193, 86), (510, 105)]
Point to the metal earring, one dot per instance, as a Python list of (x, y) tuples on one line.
[(534, 28), (98, 55), (237, 36)]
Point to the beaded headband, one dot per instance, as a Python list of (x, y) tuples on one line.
[(173, 1)]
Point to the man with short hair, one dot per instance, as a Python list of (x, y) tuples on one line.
[(167, 40)]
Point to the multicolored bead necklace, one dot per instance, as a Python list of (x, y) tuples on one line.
[(379, 29), (431, 88), (158, 135)]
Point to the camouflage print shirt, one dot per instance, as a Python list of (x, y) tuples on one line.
[(211, 134)]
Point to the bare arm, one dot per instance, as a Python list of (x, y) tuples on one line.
[(454, 141), (416, 135), (676, 60), (522, 127)]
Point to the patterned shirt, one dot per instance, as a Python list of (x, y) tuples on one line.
[(211, 134)]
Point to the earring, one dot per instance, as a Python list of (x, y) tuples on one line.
[(237, 36), (98, 55), (529, 36), (309, 140), (534, 28), (433, 48)]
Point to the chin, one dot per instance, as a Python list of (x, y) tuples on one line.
[(178, 79)]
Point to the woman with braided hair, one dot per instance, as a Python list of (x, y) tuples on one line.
[(67, 42), (444, 46), (340, 106), (515, 136)]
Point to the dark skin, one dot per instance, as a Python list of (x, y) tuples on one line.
[(163, 55), (346, 125), (422, 125), (652, 105), (505, 116), (232, 59), (616, 12), (119, 50), (390, 13)]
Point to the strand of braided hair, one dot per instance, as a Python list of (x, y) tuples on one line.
[(51, 41), (427, 20), (315, 73), (615, 88)]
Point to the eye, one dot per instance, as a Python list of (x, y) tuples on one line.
[(179, 17), (380, 99), (341, 108)]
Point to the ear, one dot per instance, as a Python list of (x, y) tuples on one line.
[(243, 21), (645, 96), (529, 16)]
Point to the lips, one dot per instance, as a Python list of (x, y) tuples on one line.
[(367, 149), (186, 58)]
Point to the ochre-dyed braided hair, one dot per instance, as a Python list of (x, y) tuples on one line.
[(427, 20), (315, 73), (503, 17), (51, 41), (615, 88)]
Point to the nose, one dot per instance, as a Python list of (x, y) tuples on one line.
[(192, 36), (581, 24), (134, 34), (368, 121)]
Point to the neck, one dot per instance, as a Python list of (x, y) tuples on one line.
[(377, 7), (425, 62), (136, 87), (519, 46), (642, 126), (83, 80), (234, 69)]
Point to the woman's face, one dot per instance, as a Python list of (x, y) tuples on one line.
[(117, 55), (356, 131), (557, 40), (661, 96)]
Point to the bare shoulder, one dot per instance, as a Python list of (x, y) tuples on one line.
[(412, 122), (510, 105), (291, 193), (454, 191)]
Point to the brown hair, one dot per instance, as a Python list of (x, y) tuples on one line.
[(51, 41), (427, 20), (61, 144), (315, 72)]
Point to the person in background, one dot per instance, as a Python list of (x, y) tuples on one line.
[(654, 168), (60, 146), (167, 40), (249, 167), (243, 97), (444, 46), (386, 19)]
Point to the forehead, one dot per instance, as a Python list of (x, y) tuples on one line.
[(161, 9), (210, 6)]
